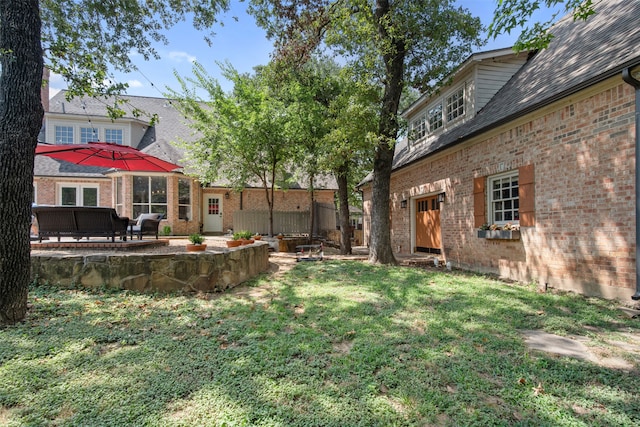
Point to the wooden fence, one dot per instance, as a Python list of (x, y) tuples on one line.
[(287, 222)]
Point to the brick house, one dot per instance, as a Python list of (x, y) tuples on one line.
[(188, 205), (542, 142)]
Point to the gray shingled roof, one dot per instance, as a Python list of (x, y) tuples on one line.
[(157, 141), (581, 54)]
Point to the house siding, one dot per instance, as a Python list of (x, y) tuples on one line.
[(580, 152), (492, 75)]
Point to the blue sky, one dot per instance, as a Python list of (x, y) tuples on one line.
[(242, 44)]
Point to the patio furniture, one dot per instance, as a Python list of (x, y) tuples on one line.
[(79, 222), (145, 224)]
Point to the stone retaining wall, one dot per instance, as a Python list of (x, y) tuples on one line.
[(207, 271)]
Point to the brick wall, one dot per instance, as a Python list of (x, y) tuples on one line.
[(582, 153)]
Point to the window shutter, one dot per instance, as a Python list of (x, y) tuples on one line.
[(526, 196), (479, 202)]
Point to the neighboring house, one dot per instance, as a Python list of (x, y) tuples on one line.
[(542, 142), (188, 206)]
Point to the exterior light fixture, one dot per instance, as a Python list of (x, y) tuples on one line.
[(403, 204), (441, 197), (226, 195)]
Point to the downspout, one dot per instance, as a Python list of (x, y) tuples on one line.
[(632, 79)]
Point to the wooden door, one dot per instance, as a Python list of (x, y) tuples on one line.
[(428, 236)]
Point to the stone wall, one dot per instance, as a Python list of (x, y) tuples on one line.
[(186, 271)]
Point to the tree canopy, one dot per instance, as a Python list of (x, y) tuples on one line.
[(393, 43), (81, 40), (511, 14)]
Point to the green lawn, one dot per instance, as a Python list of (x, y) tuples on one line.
[(327, 344)]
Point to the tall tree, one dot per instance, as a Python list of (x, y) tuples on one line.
[(395, 43), (246, 135), (20, 121), (81, 40), (331, 118)]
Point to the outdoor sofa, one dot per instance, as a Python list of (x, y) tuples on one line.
[(145, 224), (79, 222)]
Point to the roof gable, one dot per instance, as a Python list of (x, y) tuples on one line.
[(581, 54)]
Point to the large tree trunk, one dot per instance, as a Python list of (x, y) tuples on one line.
[(312, 210), (343, 199), (20, 121), (380, 250)]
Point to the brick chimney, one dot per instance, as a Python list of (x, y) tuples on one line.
[(44, 90)]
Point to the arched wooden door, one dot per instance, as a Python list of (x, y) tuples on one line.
[(428, 235)]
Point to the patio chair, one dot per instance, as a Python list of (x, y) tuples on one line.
[(145, 224)]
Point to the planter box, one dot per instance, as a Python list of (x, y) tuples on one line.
[(499, 234)]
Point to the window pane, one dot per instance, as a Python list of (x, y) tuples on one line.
[(159, 209), (88, 135), (64, 134), (113, 135), (140, 189), (184, 192), (184, 212), (504, 198), (158, 190), (89, 197), (68, 196)]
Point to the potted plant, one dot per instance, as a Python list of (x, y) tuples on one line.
[(235, 241), (257, 236), (244, 236), (196, 243)]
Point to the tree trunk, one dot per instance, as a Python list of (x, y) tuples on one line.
[(343, 199), (21, 115), (380, 250), (312, 211)]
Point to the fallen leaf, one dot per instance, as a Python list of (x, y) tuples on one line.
[(538, 390)]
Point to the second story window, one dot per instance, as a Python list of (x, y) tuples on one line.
[(455, 105), (435, 117), (113, 135), (64, 134), (418, 128), (88, 135)]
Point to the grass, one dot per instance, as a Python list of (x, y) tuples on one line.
[(327, 344)]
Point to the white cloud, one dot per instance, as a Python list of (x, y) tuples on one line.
[(135, 83), (179, 56)]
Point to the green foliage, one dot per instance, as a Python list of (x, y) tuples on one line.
[(166, 230), (511, 14), (243, 234), (248, 135), (326, 344), (196, 239)]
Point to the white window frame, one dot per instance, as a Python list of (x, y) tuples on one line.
[(61, 133), (418, 128), (95, 134), (109, 138), (455, 104), (149, 205), (187, 206), (499, 206), (434, 115), (118, 196), (79, 193)]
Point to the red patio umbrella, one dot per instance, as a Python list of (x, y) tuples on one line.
[(106, 155)]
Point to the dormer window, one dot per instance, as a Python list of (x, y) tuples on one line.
[(418, 128), (435, 117), (455, 104)]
